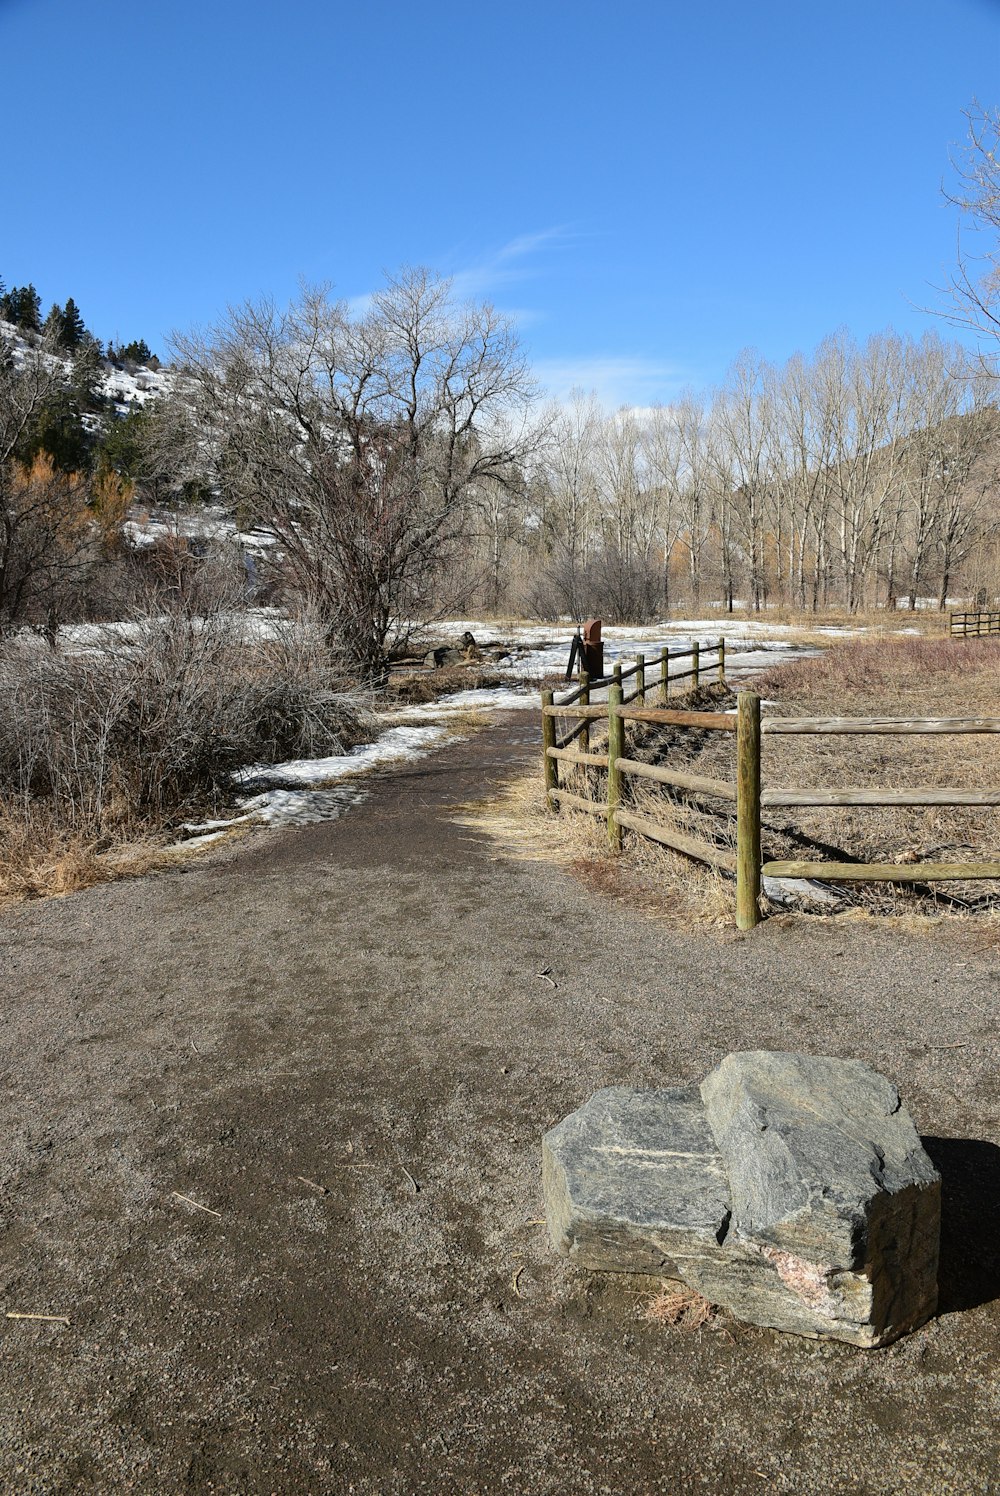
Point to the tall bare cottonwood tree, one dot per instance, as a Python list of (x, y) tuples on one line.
[(364, 440)]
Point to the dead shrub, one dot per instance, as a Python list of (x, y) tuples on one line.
[(146, 725)]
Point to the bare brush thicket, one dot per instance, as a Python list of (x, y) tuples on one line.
[(47, 537), (141, 727), (397, 458)]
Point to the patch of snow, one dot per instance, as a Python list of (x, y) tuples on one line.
[(305, 790), (303, 807), (393, 746), (534, 651), (207, 522), (794, 890), (499, 699)]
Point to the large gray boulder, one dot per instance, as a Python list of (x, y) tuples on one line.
[(793, 1190)]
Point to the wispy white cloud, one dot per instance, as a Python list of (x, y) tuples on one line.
[(616, 379), (485, 277), (514, 262)]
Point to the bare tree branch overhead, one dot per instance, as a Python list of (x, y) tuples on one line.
[(974, 286)]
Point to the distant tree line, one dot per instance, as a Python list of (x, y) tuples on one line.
[(863, 475), (403, 466)]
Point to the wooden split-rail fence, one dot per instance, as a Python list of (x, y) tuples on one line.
[(746, 863), (973, 625)]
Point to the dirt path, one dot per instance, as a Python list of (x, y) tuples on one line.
[(356, 1005)]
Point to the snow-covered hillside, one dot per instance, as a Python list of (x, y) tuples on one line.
[(122, 388), (211, 523)]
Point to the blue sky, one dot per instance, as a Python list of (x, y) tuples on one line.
[(648, 187)]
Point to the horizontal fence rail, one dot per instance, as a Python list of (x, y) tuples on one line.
[(888, 726), (927, 796), (580, 802), (677, 778), (707, 721), (746, 863), (573, 756), (691, 846), (882, 872)]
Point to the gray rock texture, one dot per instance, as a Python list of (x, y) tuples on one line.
[(633, 1182), (792, 1189)]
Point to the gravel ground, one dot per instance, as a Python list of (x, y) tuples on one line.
[(335, 1038)]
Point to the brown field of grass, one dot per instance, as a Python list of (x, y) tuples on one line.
[(39, 858)]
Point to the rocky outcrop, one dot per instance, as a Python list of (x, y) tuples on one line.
[(791, 1189)]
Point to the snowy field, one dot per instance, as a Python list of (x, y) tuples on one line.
[(540, 650)]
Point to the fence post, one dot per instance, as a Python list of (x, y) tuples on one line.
[(640, 679), (695, 676), (550, 767), (585, 701), (747, 810), (616, 750), (665, 673), (722, 662)]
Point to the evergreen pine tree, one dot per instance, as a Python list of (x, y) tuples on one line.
[(29, 306), (136, 352), (73, 324), (86, 378), (58, 429)]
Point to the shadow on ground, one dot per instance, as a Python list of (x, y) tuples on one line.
[(969, 1274)]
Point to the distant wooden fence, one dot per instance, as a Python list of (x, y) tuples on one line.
[(974, 625), (749, 798)]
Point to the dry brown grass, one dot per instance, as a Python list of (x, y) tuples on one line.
[(925, 677), (879, 621), (663, 883), (904, 678), (518, 821), (679, 1306), (418, 687), (39, 858)]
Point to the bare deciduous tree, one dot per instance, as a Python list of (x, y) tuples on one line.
[(363, 441), (975, 285)]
